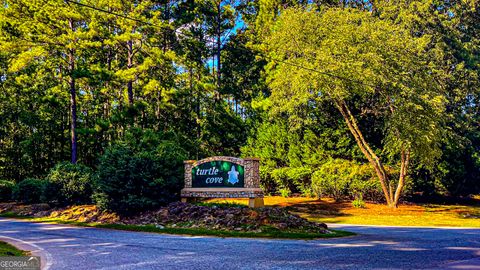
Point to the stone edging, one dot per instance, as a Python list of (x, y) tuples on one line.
[(222, 193)]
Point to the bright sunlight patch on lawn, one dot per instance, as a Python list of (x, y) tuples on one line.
[(328, 211)]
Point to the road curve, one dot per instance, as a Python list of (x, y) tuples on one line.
[(70, 247)]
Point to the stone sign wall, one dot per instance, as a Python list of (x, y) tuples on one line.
[(223, 177)]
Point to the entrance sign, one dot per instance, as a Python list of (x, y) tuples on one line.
[(223, 177), (218, 174)]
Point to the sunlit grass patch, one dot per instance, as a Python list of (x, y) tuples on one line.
[(329, 211)]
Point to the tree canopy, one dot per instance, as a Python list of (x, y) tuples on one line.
[(308, 86), (356, 60)]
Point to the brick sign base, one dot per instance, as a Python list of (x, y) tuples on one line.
[(250, 176)]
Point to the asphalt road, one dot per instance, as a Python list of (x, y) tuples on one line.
[(67, 247)]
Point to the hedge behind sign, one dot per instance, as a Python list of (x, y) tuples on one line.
[(218, 174)]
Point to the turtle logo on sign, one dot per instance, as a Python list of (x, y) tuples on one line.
[(233, 176)]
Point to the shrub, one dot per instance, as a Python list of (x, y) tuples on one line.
[(280, 177), (332, 179), (129, 180), (29, 190), (344, 179), (358, 202), (285, 192), (368, 189), (69, 184), (267, 183), (301, 178), (293, 179), (6, 188)]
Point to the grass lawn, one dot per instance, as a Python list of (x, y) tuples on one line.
[(326, 210), (9, 250)]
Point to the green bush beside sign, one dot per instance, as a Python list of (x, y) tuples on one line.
[(218, 174)]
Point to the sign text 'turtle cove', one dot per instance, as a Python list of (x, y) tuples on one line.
[(218, 174)]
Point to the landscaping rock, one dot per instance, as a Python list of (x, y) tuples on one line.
[(226, 218), (35, 210), (180, 215)]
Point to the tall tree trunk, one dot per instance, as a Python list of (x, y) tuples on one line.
[(195, 101), (129, 65), (366, 150), (219, 47), (197, 111), (405, 159), (73, 101), (158, 109), (166, 33)]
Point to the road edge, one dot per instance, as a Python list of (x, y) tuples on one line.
[(35, 250)]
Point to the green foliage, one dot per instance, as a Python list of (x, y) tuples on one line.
[(333, 179), (6, 188), (343, 179), (360, 63), (214, 140), (281, 179), (364, 184), (267, 183), (150, 72), (29, 191), (285, 192), (292, 179), (130, 181), (289, 156), (268, 89), (358, 202), (369, 188), (7, 249), (300, 177), (69, 184)]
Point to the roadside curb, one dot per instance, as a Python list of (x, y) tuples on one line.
[(45, 257)]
